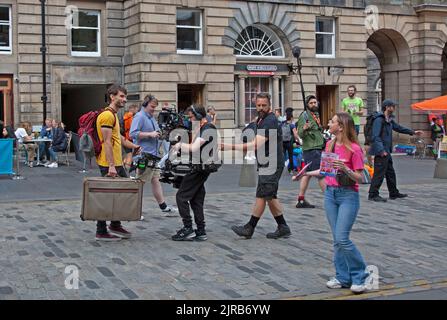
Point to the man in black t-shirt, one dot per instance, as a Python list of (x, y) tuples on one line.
[(203, 152), (270, 158)]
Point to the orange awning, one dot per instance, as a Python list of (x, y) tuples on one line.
[(436, 105)]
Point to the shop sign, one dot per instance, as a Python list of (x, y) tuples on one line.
[(261, 73), (262, 68)]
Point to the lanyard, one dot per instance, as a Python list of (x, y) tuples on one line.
[(317, 119)]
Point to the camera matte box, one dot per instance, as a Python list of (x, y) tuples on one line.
[(112, 199)]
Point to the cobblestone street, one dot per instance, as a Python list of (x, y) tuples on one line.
[(405, 239)]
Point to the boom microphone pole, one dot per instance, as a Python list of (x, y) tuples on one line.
[(296, 51)]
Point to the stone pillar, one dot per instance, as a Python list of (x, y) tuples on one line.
[(275, 102), (241, 107)]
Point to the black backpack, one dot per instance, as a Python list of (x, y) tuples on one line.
[(368, 128)]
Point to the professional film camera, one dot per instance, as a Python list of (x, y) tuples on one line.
[(168, 120)]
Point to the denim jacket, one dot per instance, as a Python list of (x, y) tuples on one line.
[(383, 140)]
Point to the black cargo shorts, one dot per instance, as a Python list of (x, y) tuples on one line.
[(268, 185)]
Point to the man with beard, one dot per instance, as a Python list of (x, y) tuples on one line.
[(381, 145), (354, 106), (110, 160), (269, 140), (311, 133)]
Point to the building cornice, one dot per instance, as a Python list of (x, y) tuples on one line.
[(430, 8)]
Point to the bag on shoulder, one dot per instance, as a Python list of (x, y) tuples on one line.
[(286, 131), (87, 125), (343, 179), (368, 128)]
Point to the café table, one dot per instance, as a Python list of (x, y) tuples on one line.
[(38, 141)]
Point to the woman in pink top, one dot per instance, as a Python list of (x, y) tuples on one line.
[(342, 205)]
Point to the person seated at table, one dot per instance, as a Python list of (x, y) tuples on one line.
[(3, 131), (58, 144), (6, 132), (44, 148), (24, 136)]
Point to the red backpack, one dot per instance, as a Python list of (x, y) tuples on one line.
[(87, 125)]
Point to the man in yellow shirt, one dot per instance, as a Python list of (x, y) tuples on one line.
[(110, 160)]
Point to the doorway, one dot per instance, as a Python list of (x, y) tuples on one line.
[(188, 94), (77, 99), (327, 98), (6, 105)]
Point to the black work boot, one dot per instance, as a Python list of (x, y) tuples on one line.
[(283, 231), (244, 231)]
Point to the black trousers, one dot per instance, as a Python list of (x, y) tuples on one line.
[(192, 192), (288, 146), (101, 226), (383, 168)]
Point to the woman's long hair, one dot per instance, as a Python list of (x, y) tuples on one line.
[(349, 135)]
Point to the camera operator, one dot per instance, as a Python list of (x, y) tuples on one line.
[(145, 130), (192, 188)]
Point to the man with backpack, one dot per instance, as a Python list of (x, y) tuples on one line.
[(109, 159), (310, 131), (379, 134)]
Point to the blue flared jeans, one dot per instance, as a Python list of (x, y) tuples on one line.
[(342, 206)]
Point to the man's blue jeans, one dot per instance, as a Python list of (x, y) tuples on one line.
[(342, 205)]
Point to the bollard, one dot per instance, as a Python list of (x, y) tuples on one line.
[(247, 178), (441, 169)]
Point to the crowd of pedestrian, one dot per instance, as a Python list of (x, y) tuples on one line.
[(274, 140)]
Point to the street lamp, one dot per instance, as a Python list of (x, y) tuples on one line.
[(296, 51), (43, 49)]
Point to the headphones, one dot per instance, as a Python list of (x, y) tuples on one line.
[(149, 99), (196, 114)]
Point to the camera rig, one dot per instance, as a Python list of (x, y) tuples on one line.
[(143, 161), (168, 120)]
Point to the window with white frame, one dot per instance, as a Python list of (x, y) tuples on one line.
[(258, 41), (325, 37), (189, 31), (86, 34), (5, 30)]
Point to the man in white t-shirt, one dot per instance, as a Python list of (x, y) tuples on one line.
[(23, 137)]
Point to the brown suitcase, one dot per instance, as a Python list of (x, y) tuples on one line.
[(112, 199)]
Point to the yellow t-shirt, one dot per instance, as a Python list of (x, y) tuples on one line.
[(106, 120)]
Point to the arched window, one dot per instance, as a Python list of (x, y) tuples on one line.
[(258, 41)]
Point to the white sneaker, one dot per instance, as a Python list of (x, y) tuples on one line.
[(141, 218), (358, 288), (366, 286), (170, 212), (333, 283), (53, 165)]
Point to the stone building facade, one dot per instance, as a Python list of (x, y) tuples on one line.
[(220, 53)]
